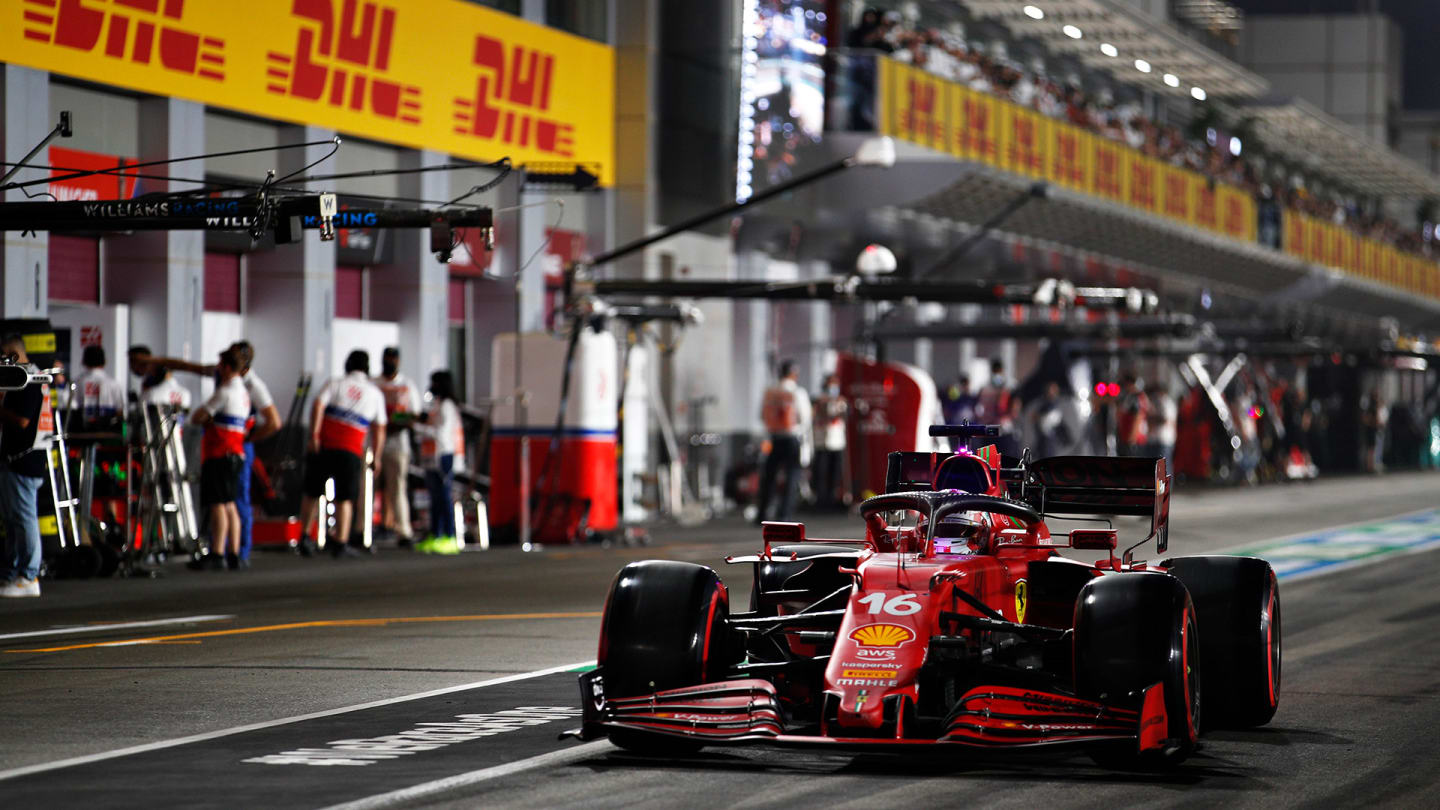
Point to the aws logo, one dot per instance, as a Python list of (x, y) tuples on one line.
[(144, 31), (882, 635)]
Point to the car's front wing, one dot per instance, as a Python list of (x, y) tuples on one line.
[(748, 711)]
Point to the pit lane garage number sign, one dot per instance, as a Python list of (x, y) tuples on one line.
[(435, 74)]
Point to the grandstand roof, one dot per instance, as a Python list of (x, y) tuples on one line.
[(1134, 36), (1307, 136)]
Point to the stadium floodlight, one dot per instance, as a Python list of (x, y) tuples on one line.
[(1197, 93), (1033, 13), (1108, 49), (1072, 32), (1142, 66), (1172, 80)]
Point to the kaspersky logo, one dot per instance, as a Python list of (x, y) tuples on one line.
[(142, 31), (342, 59), (511, 99), (882, 635)]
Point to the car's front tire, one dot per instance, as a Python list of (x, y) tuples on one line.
[(1133, 630), (664, 628)]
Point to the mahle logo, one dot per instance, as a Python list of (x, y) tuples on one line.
[(882, 635)]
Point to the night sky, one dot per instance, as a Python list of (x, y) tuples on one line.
[(1419, 19)]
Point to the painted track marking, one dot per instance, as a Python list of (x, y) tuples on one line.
[(270, 628), (102, 628), (211, 735), (427, 790)]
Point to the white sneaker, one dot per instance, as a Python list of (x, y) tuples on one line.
[(20, 588)]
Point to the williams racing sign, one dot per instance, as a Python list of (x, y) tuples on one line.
[(434, 74)]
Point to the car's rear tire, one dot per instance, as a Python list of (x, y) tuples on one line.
[(664, 628), (1133, 630), (1237, 605)]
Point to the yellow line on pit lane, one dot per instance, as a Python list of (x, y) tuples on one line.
[(269, 628)]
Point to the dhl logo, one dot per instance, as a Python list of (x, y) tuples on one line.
[(868, 673), (142, 30), (920, 119), (1177, 197), (977, 128), (1023, 152), (510, 96), (882, 635), (1067, 158), (1142, 184), (1107, 171), (342, 58), (1205, 206)]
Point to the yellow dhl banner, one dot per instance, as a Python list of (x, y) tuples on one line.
[(948, 117), (433, 74), (1332, 245)]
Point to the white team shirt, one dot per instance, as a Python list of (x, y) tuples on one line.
[(401, 395), (167, 392), (443, 434), (98, 395), (351, 405), (259, 392)]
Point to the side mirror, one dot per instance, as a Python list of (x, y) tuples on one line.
[(1093, 539), (776, 532)]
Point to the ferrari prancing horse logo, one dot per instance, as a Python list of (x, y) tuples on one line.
[(1022, 598)]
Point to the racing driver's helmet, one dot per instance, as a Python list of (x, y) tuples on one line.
[(961, 533)]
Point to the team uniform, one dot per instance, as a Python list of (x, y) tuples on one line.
[(442, 451), (222, 448), (352, 404), (98, 397), (401, 398), (166, 392), (260, 399), (786, 413)]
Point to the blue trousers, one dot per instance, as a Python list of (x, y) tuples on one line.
[(242, 501), (21, 552), (442, 509)]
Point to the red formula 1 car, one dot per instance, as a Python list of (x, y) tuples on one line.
[(955, 621)]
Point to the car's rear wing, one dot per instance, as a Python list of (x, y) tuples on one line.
[(1103, 485)]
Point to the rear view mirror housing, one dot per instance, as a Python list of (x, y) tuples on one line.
[(1093, 539)]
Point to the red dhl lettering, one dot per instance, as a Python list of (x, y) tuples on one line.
[(349, 54), (509, 96), (1176, 198), (143, 31)]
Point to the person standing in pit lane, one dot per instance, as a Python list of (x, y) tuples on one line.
[(222, 454), (264, 422), (28, 423), (402, 403), (346, 411), (157, 385), (99, 398), (785, 410), (442, 451)]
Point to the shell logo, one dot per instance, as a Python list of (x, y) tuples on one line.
[(882, 635)]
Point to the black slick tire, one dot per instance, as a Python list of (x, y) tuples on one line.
[(1133, 630)]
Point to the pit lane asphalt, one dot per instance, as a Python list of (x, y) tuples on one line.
[(1357, 723)]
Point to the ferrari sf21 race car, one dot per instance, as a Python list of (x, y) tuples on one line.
[(955, 621)]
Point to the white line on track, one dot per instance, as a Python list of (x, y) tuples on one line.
[(429, 790), (211, 735), (104, 628)]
